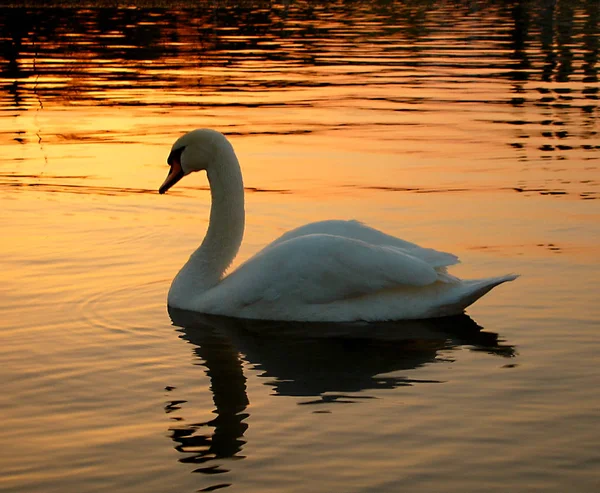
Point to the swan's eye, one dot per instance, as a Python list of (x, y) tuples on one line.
[(175, 155)]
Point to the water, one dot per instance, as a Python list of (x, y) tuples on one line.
[(471, 127)]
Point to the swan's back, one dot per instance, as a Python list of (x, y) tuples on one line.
[(359, 231), (326, 277)]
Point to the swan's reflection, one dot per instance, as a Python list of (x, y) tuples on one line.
[(325, 362)]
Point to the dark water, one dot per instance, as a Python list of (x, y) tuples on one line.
[(470, 127)]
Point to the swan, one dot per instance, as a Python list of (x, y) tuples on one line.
[(327, 271)]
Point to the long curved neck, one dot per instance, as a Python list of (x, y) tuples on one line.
[(208, 263), (227, 215)]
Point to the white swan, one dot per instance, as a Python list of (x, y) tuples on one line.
[(325, 271)]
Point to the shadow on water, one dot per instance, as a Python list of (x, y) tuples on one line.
[(327, 363)]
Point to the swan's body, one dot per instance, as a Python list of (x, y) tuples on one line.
[(325, 271)]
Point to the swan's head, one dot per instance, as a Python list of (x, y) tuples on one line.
[(194, 151)]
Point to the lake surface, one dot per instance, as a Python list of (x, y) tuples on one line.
[(469, 127)]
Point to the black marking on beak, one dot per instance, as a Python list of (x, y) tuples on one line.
[(175, 155)]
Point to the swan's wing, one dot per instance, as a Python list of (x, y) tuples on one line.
[(357, 231), (317, 269)]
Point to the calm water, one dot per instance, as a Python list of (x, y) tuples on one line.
[(471, 127)]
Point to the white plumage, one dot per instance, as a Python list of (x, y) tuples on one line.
[(325, 271)]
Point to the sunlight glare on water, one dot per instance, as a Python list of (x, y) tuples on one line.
[(469, 127)]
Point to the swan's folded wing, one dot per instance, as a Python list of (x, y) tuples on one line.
[(324, 268), (359, 231)]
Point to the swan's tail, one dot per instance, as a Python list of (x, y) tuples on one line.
[(470, 292)]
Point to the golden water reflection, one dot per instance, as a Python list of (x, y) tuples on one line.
[(486, 80)]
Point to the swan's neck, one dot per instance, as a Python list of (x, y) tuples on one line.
[(208, 263)]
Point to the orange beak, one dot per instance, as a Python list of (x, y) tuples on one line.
[(175, 174)]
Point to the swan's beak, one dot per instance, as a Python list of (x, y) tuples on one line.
[(175, 174)]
